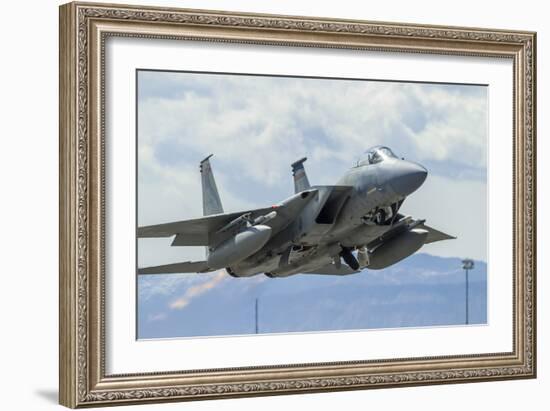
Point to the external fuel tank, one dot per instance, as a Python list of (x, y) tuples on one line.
[(238, 247)]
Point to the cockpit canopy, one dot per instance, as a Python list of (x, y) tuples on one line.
[(376, 155)]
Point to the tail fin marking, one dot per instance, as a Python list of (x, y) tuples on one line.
[(301, 182)]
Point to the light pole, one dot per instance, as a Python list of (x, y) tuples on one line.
[(467, 265)]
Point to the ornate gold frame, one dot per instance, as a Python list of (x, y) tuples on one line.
[(83, 30)]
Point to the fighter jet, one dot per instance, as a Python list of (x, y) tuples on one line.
[(336, 230)]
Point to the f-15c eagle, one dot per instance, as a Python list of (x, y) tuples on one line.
[(357, 221)]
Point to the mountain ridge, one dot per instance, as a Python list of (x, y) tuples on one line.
[(422, 290)]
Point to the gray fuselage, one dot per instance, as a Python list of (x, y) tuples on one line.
[(347, 216)]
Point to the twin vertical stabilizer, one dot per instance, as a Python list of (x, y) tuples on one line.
[(301, 182), (211, 203)]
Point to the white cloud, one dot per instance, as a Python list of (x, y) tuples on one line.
[(156, 317), (264, 121), (149, 285)]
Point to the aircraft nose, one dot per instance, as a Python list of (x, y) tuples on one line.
[(407, 177)]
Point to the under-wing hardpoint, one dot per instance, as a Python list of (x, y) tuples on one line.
[(336, 230)]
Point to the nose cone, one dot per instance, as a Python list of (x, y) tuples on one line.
[(407, 177)]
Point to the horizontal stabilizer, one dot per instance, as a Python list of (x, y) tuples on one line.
[(186, 267), (435, 235), (403, 223)]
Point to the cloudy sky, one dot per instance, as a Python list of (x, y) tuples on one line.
[(256, 126)]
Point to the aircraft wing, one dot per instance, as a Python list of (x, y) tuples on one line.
[(205, 230), (196, 231), (186, 267)]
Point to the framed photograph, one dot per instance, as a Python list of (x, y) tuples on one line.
[(261, 204)]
